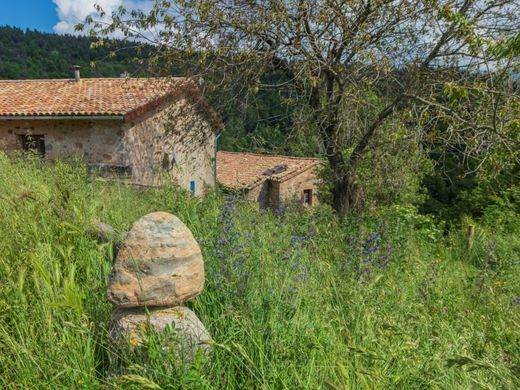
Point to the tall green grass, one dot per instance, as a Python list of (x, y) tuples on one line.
[(298, 300)]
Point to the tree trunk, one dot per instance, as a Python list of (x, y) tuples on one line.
[(344, 195), (344, 188)]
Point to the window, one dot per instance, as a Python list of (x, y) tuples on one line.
[(192, 187), (307, 197), (168, 162), (33, 143)]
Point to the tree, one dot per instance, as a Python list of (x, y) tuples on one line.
[(31, 54), (352, 64)]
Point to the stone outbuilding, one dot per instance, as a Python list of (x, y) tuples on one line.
[(148, 130), (269, 180)]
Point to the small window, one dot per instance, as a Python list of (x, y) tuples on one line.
[(307, 197), (166, 162), (33, 143), (192, 187)]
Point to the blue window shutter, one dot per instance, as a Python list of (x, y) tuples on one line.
[(192, 187)]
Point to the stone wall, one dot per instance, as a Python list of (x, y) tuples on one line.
[(292, 189), (99, 142), (260, 194), (270, 194), (172, 143)]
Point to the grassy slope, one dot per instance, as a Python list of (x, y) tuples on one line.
[(300, 301)]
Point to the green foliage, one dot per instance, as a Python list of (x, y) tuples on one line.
[(263, 121), (393, 175), (447, 185), (472, 174), (32, 55), (298, 300), (508, 48)]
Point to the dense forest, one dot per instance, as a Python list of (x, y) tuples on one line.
[(31, 54)]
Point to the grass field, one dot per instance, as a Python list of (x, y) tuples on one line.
[(299, 300)]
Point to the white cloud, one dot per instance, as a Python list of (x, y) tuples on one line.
[(72, 12)]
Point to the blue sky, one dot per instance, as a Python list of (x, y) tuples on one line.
[(34, 14), (58, 16)]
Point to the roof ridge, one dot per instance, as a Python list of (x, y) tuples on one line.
[(94, 79), (272, 155)]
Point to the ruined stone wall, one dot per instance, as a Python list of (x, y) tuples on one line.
[(266, 194), (99, 142), (173, 143)]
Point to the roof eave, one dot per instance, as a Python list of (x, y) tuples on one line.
[(63, 117), (294, 173), (241, 186)]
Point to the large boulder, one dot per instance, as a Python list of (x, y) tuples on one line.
[(178, 326), (159, 264)]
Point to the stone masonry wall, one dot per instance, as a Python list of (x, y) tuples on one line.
[(172, 143), (260, 194), (292, 189), (99, 142), (271, 194)]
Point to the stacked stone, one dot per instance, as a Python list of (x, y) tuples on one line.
[(158, 267)]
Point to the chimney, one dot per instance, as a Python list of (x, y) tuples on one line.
[(77, 76)]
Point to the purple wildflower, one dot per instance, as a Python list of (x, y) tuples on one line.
[(367, 256), (229, 250)]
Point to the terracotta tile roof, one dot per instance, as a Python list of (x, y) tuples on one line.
[(247, 170), (125, 97)]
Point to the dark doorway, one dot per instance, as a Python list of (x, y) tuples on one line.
[(307, 197), (33, 143)]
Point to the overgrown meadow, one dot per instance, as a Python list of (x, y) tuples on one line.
[(296, 299)]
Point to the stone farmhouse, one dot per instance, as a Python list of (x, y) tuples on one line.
[(148, 131), (268, 179)]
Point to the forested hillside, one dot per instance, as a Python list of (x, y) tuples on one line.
[(32, 54)]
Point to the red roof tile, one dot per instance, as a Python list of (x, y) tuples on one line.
[(127, 98), (247, 170)]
